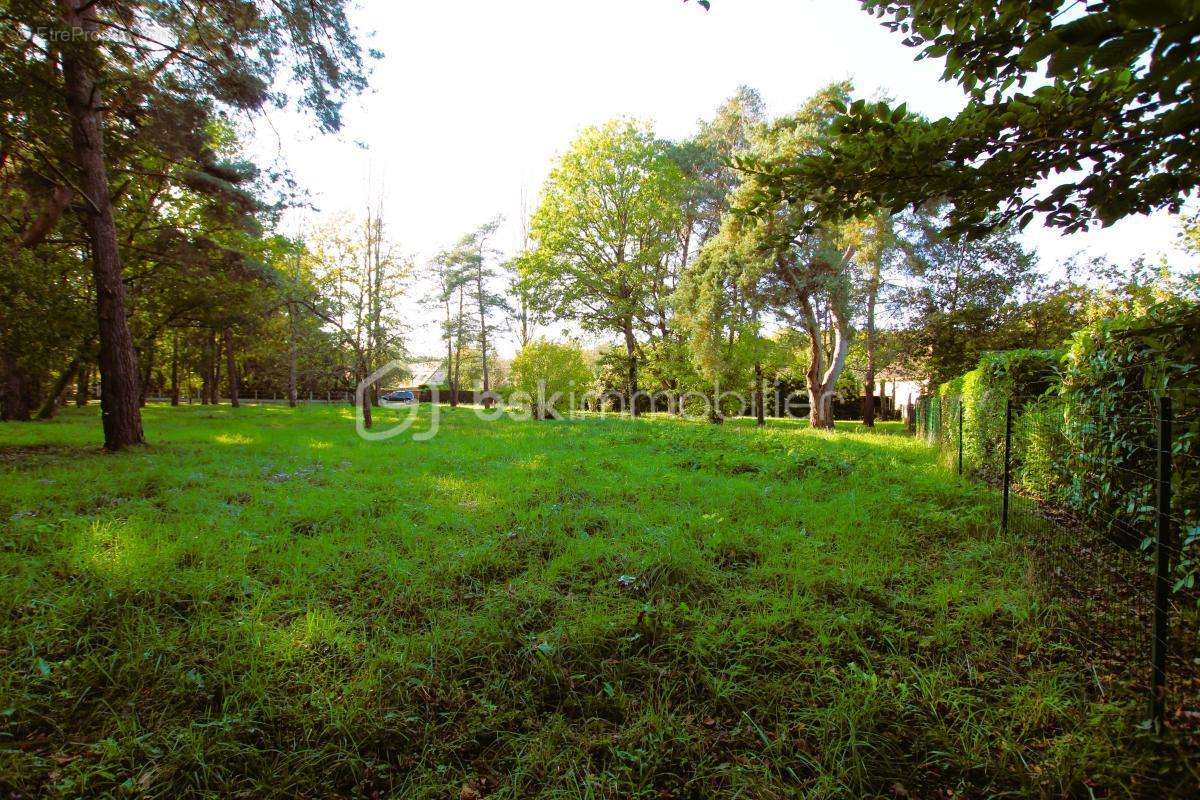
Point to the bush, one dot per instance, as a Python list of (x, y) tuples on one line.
[(1041, 446), (1113, 374), (543, 369), (1020, 375), (944, 411), (1085, 424)]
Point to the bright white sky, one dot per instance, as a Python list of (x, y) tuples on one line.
[(474, 99)]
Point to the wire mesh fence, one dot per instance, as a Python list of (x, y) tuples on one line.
[(1106, 505)]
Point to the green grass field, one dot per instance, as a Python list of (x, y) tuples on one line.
[(260, 603)]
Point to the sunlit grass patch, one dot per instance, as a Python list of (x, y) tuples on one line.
[(261, 603)]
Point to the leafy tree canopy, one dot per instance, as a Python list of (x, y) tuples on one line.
[(605, 223), (1084, 112)]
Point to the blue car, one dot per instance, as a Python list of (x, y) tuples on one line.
[(399, 396)]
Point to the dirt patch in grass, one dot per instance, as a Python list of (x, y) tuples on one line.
[(32, 456)]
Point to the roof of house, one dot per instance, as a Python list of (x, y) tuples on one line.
[(424, 372)]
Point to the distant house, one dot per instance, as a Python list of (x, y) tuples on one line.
[(424, 373), (901, 389)]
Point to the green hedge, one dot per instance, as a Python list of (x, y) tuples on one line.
[(1040, 441), (1019, 375), (1113, 375), (1086, 422)]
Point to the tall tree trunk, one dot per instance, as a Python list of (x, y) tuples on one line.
[(816, 358), (631, 351), (175, 368), (524, 312), (837, 362), (147, 369), (714, 407), (368, 421), (868, 410), (51, 403), (822, 382), (122, 419), (457, 353), (291, 356), (759, 411), (206, 372), (450, 353), (14, 394), (816, 394), (293, 397), (81, 387), (214, 385), (231, 368), (374, 302), (868, 400), (457, 374), (487, 402), (875, 278), (366, 410)]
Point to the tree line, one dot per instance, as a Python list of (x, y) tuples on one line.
[(130, 215), (1079, 115), (816, 250), (675, 251)]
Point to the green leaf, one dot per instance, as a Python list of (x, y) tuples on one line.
[(1123, 50), (1153, 12), (1184, 118), (1066, 59), (1039, 48), (1087, 30)]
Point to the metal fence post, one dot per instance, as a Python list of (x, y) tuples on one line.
[(960, 434), (1007, 461), (1163, 550)]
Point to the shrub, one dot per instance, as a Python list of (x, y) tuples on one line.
[(945, 411), (1085, 424), (543, 369), (1113, 374), (1041, 447), (1020, 375)]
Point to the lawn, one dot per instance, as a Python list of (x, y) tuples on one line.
[(261, 603)]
